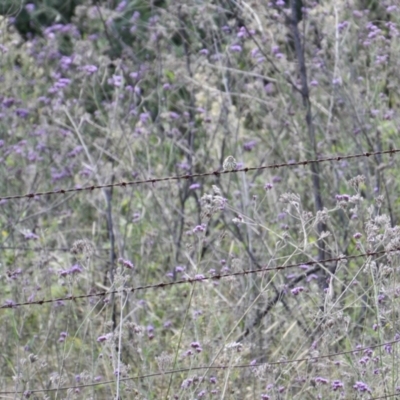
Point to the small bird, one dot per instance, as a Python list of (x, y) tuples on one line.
[(229, 164)]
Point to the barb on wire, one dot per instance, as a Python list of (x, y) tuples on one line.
[(199, 278), (219, 367), (187, 176)]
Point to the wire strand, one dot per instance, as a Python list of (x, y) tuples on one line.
[(200, 175), (197, 278), (219, 367)]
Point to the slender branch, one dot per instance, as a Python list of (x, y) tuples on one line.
[(299, 49)]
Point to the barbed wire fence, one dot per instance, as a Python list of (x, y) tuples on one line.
[(197, 278), (214, 367), (199, 175)]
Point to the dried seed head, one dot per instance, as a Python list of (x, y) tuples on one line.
[(356, 181), (83, 247), (164, 361)]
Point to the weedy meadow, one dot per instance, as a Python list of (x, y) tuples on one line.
[(199, 200)]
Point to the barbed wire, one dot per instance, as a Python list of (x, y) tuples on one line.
[(199, 175), (196, 279), (219, 367)]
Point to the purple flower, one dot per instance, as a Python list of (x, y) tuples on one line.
[(337, 385), (364, 360), (197, 313), (126, 263), (311, 277), (30, 236), (43, 99), (75, 269), (248, 146), (255, 52), (186, 383), (357, 235), (388, 115), (337, 81), (121, 6), (342, 26), (204, 52), (199, 228), (8, 102), (14, 274), (174, 115), (89, 69), (236, 48), (269, 387), (362, 387), (275, 50), (65, 62), (30, 7), (388, 348), (9, 303), (144, 117), (167, 324), (75, 152), (135, 75), (276, 179), (242, 32), (22, 112), (135, 16), (116, 80), (319, 379), (195, 186), (295, 291), (268, 186)]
